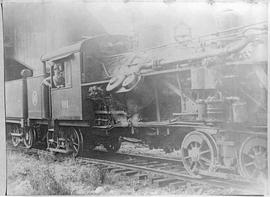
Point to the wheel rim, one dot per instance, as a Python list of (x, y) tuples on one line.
[(253, 158), (28, 138), (75, 144), (16, 140), (198, 153)]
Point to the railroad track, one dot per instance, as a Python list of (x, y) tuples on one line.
[(159, 171)]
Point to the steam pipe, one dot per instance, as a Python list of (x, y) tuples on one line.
[(219, 52), (194, 57)]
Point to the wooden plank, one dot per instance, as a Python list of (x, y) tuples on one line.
[(177, 184), (60, 150), (170, 167), (158, 165), (142, 176), (147, 163), (164, 182), (110, 168), (131, 173), (116, 171), (155, 179)]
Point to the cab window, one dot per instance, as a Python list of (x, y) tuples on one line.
[(62, 74)]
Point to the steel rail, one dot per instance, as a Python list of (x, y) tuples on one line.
[(242, 186)]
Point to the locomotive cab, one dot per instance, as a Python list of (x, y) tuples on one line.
[(72, 70)]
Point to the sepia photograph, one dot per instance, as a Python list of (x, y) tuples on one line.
[(135, 97)]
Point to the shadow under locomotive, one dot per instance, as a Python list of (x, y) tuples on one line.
[(205, 97)]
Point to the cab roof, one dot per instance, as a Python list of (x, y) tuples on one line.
[(71, 49)]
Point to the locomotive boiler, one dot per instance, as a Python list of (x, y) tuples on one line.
[(206, 97)]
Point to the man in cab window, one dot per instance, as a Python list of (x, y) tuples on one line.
[(58, 77)]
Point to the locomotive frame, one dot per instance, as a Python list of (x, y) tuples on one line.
[(70, 119)]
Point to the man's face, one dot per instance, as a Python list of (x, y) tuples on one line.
[(56, 71)]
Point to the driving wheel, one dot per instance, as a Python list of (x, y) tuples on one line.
[(198, 153), (253, 157), (75, 139), (29, 137), (16, 135)]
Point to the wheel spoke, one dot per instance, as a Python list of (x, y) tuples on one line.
[(256, 150), (251, 156), (250, 164), (192, 167), (204, 152), (205, 160), (187, 157), (76, 144), (76, 149), (201, 164)]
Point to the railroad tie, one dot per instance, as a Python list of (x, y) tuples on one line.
[(164, 181), (84, 162), (134, 161), (158, 165), (130, 173), (170, 167), (141, 176), (156, 178), (117, 171), (110, 168), (177, 184), (148, 163)]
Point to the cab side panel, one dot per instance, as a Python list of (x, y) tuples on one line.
[(66, 102), (37, 101), (14, 98)]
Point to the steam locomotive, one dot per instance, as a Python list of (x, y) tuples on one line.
[(206, 97)]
